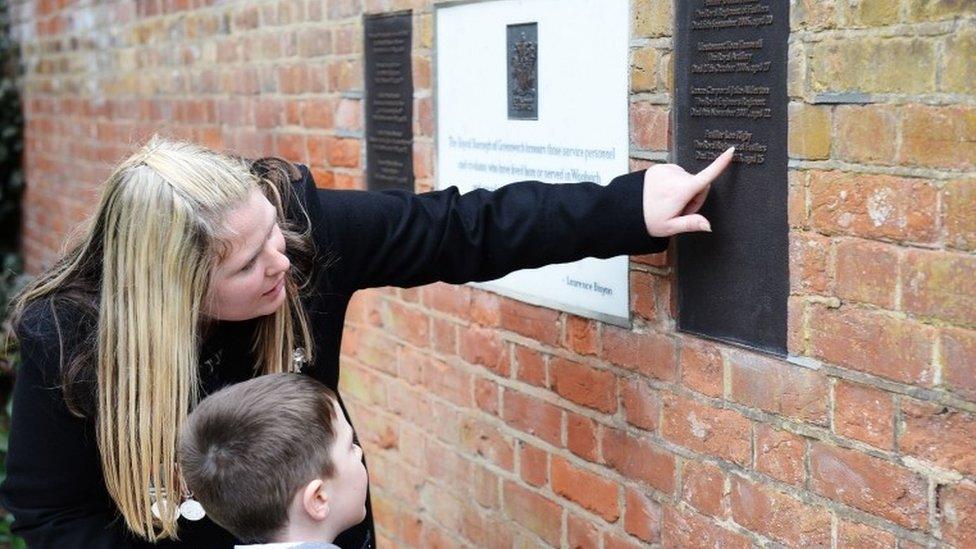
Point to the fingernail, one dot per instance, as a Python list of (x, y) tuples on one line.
[(730, 149), (705, 226)]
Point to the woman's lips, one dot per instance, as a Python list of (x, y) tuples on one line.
[(276, 287)]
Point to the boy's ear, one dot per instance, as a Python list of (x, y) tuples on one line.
[(315, 500)]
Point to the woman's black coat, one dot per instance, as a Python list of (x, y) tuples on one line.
[(54, 485)]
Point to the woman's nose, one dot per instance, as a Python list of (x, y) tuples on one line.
[(279, 265)]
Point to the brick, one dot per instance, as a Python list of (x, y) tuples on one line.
[(645, 69), (851, 535), (779, 516), (938, 137), (796, 325), (533, 511), (958, 348), (348, 115), (533, 465), (780, 454), (867, 272), (614, 541), (681, 528), (870, 484), (530, 366), (485, 308), (363, 385), (958, 505), (864, 413), (939, 435), (872, 13), (291, 147), (581, 533), (651, 18), (443, 337), (581, 335), (486, 395), (797, 199), (642, 516), (584, 385), (448, 299), (485, 348), (717, 432), (873, 206), (809, 262), (533, 416), (938, 10), (940, 285), (485, 487), (958, 198), (538, 323), (872, 342), (487, 441), (778, 387), (638, 459), (408, 323), (649, 126), (317, 114), (591, 491), (873, 64), (813, 15), (581, 436), (701, 367), (343, 152), (857, 132), (809, 131), (703, 487), (641, 403), (958, 72), (650, 354)]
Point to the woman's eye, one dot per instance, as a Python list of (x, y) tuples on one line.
[(249, 266)]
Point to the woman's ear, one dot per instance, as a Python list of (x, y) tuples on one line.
[(315, 500)]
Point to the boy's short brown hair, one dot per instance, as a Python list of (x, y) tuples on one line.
[(247, 449)]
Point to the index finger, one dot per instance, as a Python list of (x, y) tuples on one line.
[(717, 166)]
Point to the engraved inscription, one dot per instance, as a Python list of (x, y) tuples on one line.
[(389, 101), (730, 90)]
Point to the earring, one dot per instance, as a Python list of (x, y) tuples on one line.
[(190, 509)]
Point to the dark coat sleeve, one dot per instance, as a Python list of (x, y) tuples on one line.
[(54, 486), (397, 238)]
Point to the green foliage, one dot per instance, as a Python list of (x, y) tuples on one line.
[(11, 189)]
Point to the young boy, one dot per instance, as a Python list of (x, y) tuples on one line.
[(273, 461)]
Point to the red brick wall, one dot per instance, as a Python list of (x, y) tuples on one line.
[(492, 423)]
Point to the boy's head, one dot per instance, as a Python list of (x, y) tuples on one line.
[(274, 457)]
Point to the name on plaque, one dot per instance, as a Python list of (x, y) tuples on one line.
[(730, 90), (389, 101)]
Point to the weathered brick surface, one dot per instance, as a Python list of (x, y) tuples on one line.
[(868, 483), (491, 423), (778, 516)]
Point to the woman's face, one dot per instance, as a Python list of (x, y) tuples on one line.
[(249, 281)]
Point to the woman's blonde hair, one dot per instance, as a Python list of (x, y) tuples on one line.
[(144, 262)]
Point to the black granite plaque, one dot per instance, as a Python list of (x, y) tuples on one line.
[(389, 101), (730, 89), (523, 72)]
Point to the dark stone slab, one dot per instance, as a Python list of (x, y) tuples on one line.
[(730, 89), (523, 72), (389, 100)]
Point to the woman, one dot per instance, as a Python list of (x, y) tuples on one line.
[(201, 270)]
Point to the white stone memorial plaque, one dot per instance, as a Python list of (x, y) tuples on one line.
[(538, 90)]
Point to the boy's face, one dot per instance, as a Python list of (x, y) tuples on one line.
[(347, 487)]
